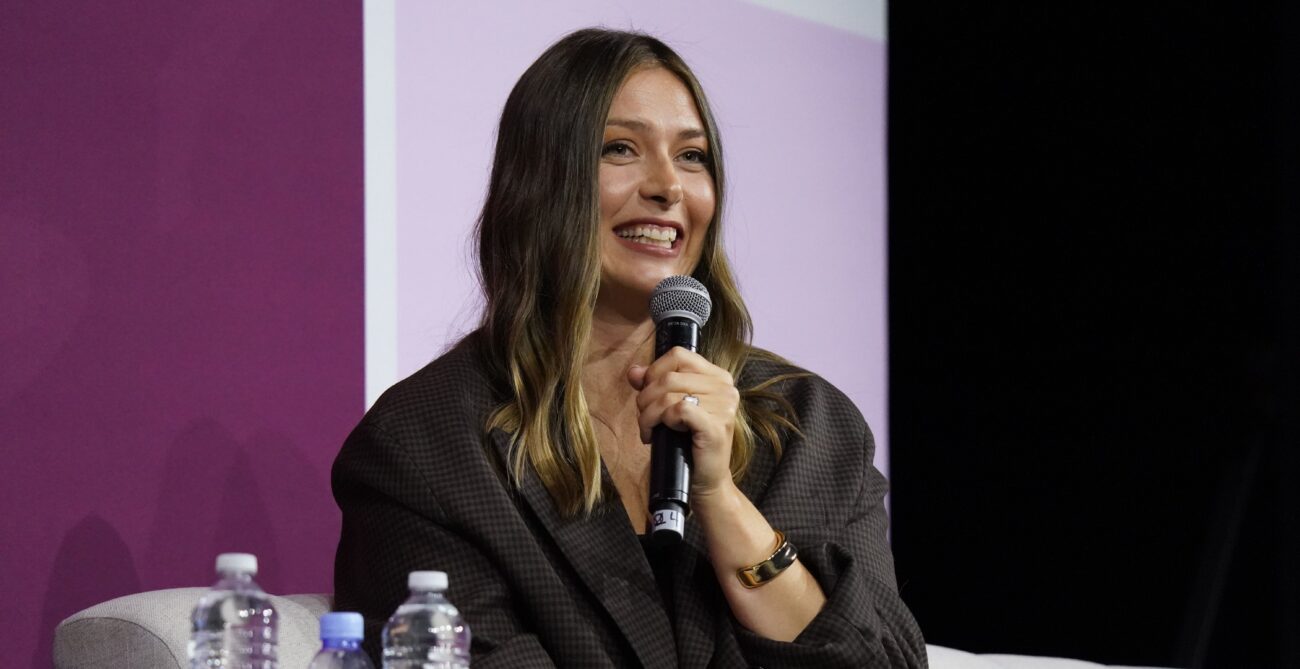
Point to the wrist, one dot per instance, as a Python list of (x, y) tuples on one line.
[(737, 534), (715, 500)]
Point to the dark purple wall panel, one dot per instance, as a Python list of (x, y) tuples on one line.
[(181, 282)]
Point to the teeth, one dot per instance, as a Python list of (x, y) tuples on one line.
[(661, 243), (649, 233)]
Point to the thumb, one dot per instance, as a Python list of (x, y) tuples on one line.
[(636, 376)]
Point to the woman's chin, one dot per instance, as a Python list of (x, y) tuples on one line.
[(629, 293)]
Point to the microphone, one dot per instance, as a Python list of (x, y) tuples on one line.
[(680, 306)]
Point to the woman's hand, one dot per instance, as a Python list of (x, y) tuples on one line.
[(711, 423), (736, 534)]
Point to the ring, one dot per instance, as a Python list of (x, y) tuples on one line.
[(691, 399)]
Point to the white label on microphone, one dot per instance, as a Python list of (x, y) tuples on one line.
[(669, 519)]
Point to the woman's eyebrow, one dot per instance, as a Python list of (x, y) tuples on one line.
[(640, 126), (627, 123)]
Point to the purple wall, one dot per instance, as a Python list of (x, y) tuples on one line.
[(181, 295)]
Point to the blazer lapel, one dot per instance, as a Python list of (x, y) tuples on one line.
[(695, 615), (608, 557)]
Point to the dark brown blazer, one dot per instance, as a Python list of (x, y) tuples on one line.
[(422, 487)]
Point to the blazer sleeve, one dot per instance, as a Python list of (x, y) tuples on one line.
[(864, 622), (392, 525)]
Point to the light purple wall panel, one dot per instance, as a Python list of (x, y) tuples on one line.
[(801, 108), (181, 288)]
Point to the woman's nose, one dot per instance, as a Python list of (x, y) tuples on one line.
[(661, 183)]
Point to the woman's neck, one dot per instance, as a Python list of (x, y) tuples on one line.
[(617, 343)]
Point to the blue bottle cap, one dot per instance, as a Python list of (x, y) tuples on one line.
[(342, 625)]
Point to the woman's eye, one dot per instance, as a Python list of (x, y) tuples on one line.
[(696, 156), (616, 149)]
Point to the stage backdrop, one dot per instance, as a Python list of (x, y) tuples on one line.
[(211, 262)]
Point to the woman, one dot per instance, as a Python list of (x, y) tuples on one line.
[(517, 462)]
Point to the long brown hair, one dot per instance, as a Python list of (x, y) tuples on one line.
[(539, 258)]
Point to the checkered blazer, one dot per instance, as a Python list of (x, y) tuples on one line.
[(421, 486)]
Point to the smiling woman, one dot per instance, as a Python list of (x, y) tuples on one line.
[(518, 463)]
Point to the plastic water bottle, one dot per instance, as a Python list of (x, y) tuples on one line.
[(426, 632), (234, 625), (340, 636)]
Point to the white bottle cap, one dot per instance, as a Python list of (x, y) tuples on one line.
[(244, 563), (427, 581)]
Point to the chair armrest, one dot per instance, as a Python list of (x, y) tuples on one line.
[(152, 629)]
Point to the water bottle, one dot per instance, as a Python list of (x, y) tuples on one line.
[(340, 636), (234, 625), (426, 632)]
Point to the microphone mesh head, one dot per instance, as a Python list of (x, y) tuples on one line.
[(681, 297)]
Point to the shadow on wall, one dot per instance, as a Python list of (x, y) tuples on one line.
[(93, 564), (213, 499), (306, 521), (209, 502)]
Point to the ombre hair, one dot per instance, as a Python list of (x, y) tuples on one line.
[(540, 265)]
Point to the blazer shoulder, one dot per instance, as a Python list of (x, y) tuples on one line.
[(810, 395), (827, 457), (452, 388), (427, 433)]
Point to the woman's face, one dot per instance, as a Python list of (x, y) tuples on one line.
[(656, 192)]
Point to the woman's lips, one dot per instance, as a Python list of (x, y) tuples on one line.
[(653, 249)]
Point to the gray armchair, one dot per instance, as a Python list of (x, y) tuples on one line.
[(151, 629)]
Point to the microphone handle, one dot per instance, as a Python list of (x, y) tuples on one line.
[(670, 482), (670, 450)]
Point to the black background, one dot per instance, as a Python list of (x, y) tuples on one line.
[(1093, 328)]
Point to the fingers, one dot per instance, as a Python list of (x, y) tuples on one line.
[(661, 403), (680, 416), (662, 385), (681, 371), (676, 359), (679, 359), (669, 410), (714, 394)]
